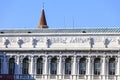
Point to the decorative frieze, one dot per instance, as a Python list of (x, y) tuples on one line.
[(61, 42)]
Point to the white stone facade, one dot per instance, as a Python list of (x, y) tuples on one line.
[(94, 49)]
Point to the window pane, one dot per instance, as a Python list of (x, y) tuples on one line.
[(112, 66), (54, 66), (39, 67), (82, 68), (25, 67), (11, 66), (68, 66), (97, 66)]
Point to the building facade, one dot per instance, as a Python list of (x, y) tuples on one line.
[(60, 54)]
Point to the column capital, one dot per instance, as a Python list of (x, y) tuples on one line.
[(116, 59), (63, 58), (49, 58), (74, 58), (21, 58), (59, 58), (78, 58), (90, 58), (104, 56)]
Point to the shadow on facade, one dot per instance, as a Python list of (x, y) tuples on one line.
[(10, 70)]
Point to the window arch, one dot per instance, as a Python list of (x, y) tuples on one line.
[(68, 66), (97, 66), (112, 66), (53, 69), (39, 66), (82, 66), (25, 67), (11, 66)]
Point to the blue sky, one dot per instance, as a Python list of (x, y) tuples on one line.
[(60, 13)]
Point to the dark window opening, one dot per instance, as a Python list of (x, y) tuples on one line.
[(97, 66), (68, 66), (39, 69), (112, 66), (25, 67), (82, 66), (53, 69), (11, 66)]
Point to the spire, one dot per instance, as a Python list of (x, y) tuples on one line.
[(43, 22)]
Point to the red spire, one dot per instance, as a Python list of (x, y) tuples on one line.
[(43, 22)]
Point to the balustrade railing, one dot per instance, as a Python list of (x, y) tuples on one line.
[(64, 77)]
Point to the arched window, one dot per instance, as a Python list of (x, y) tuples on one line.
[(53, 69), (39, 68), (97, 66), (112, 66), (68, 66), (11, 66), (82, 66), (25, 67), (0, 65)]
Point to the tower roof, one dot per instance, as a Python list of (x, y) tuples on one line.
[(43, 22)]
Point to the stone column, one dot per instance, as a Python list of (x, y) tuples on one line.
[(60, 67), (78, 66), (89, 68), (35, 65), (31, 68), (46, 67), (74, 69), (17, 65), (49, 66), (20, 63), (107, 67), (103, 68), (63, 65)]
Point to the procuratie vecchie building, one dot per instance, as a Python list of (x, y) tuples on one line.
[(59, 54)]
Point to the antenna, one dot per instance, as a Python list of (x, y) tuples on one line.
[(73, 22), (64, 23)]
